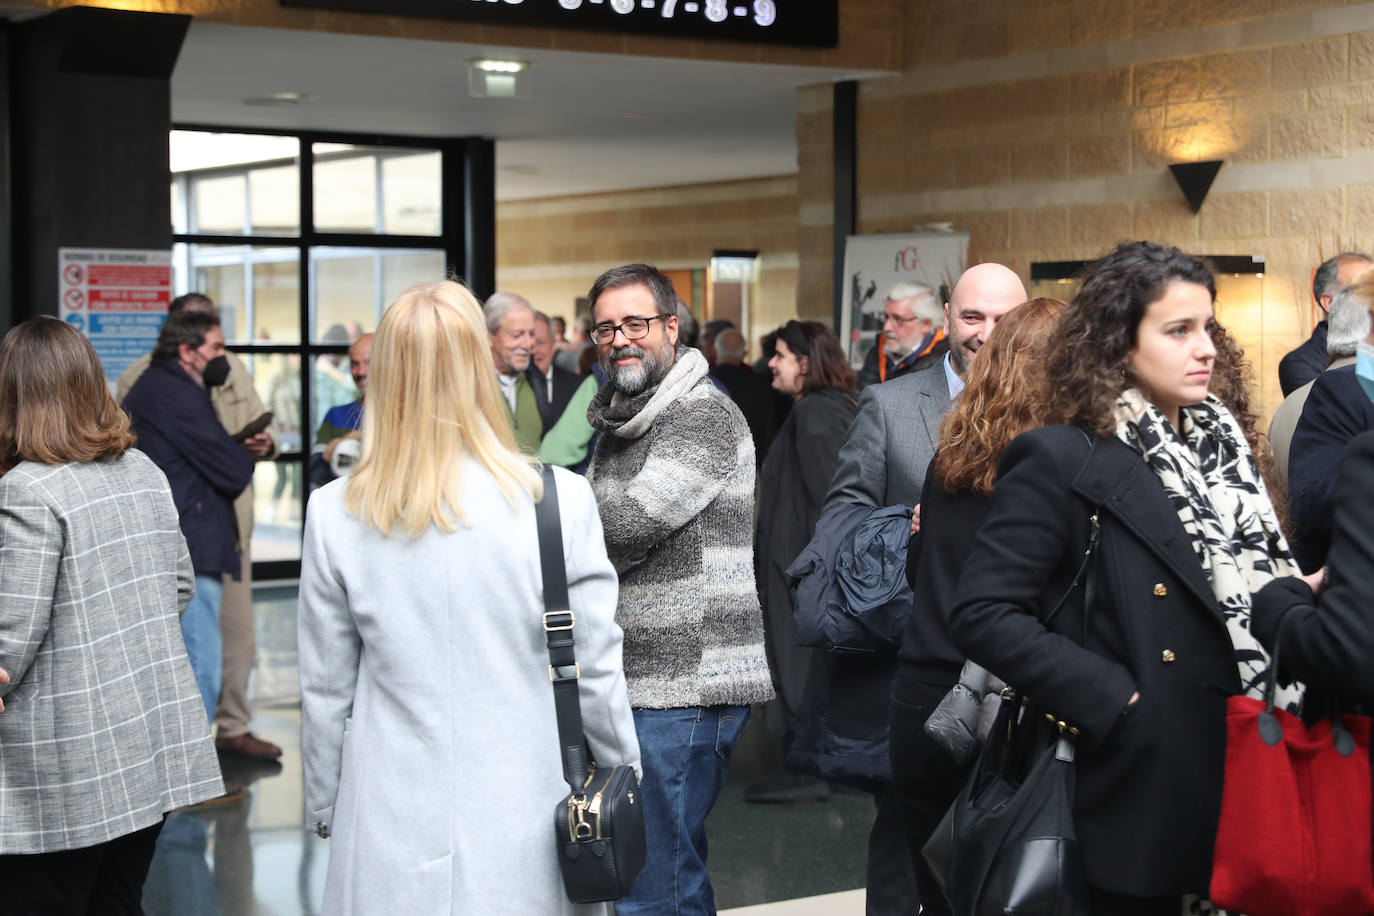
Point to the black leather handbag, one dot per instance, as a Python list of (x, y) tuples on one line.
[(1007, 845), (599, 827)]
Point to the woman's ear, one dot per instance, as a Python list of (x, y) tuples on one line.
[(804, 364)]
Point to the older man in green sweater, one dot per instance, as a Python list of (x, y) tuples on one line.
[(510, 326)]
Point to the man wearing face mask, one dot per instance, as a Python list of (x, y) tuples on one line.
[(176, 425), (236, 404)]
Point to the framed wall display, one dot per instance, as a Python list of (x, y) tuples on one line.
[(806, 23), (873, 264)]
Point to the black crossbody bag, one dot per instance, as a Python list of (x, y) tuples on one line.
[(599, 826)]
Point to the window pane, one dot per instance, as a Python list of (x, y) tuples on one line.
[(351, 195), (257, 289), (276, 511), (345, 190), (220, 204), (353, 286), (274, 194), (411, 194), (237, 183)]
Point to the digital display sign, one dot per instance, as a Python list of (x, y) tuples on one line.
[(807, 23)]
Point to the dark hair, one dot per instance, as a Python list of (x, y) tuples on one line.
[(687, 331), (826, 366), (1327, 277), (665, 299), (191, 300), (1098, 330), (55, 406), (183, 327)]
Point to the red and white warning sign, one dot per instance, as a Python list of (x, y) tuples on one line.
[(117, 297)]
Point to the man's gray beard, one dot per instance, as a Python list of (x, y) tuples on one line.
[(630, 381), (895, 351)]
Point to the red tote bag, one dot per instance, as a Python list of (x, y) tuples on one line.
[(1294, 836)]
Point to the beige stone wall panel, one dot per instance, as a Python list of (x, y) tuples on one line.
[(1233, 73), (1039, 227), (1306, 213), (1235, 216), (1100, 22), (1096, 91), (1161, 17), (1310, 63), (1099, 226), (979, 168), (1315, 135), (1226, 12), (1161, 82), (1041, 161), (1169, 222), (1090, 157)]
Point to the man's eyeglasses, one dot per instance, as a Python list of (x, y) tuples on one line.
[(632, 328), (897, 319)]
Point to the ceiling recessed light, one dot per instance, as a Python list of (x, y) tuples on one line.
[(279, 99), (501, 66), (520, 169)]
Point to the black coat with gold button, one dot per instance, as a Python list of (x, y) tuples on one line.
[(1148, 777)]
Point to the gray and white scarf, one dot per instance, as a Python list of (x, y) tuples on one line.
[(1213, 483)]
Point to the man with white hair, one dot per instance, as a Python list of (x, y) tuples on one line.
[(510, 329), (913, 335)]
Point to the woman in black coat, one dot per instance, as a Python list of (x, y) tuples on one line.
[(1006, 387), (1327, 627), (810, 367), (1187, 534)]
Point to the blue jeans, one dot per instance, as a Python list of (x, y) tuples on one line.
[(204, 645), (685, 755)]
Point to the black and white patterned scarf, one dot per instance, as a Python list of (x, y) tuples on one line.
[(1214, 484)]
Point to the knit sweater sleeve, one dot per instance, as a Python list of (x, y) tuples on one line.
[(690, 459)]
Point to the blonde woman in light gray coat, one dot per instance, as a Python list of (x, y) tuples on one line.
[(430, 741)]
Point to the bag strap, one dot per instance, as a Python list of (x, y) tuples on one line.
[(558, 623)]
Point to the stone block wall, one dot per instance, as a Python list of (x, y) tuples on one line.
[(1045, 128), (550, 250)]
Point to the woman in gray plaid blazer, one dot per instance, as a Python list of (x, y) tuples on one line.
[(103, 731)]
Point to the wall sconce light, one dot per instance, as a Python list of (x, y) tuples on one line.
[(1195, 180)]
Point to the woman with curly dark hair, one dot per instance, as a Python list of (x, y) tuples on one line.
[(1187, 532)]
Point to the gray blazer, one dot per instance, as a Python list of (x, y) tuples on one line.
[(889, 446), (103, 730)]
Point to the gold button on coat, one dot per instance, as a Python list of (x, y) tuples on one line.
[(1167, 656), (1160, 590)]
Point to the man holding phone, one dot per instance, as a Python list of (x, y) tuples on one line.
[(239, 410)]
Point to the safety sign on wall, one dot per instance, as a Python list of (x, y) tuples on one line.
[(117, 297)]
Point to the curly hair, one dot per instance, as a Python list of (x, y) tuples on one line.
[(1233, 382), (1007, 393), (1098, 329)]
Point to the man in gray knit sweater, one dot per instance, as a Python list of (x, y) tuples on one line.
[(673, 474)]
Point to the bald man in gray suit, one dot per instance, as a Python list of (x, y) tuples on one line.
[(883, 462)]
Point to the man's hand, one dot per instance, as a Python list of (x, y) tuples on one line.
[(331, 447), (260, 445), (916, 519), (1315, 580), (4, 679)]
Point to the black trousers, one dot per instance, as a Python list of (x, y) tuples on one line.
[(101, 880), (925, 779)]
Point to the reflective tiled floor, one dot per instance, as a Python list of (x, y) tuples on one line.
[(257, 858)]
